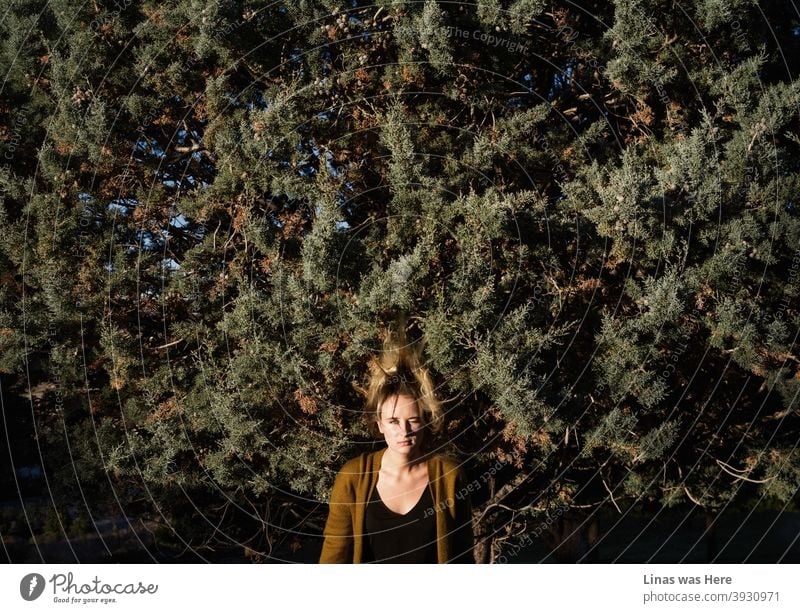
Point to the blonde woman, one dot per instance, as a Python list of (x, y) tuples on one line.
[(403, 503)]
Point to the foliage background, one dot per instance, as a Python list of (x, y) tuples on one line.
[(212, 210)]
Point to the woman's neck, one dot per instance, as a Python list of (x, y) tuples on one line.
[(400, 465)]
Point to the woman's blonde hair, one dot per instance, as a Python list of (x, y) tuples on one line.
[(399, 371)]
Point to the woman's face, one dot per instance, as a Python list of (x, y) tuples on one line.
[(401, 424)]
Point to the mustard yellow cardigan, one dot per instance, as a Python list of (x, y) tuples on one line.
[(344, 530)]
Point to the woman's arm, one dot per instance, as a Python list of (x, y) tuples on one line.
[(337, 548), (463, 540)]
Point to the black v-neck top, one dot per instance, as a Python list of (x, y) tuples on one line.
[(401, 539)]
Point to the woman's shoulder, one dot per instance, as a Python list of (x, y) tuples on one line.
[(363, 462), (369, 461), (447, 465), (445, 460)]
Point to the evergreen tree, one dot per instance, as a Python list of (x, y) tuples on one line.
[(212, 210)]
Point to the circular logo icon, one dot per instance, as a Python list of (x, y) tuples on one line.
[(31, 586)]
